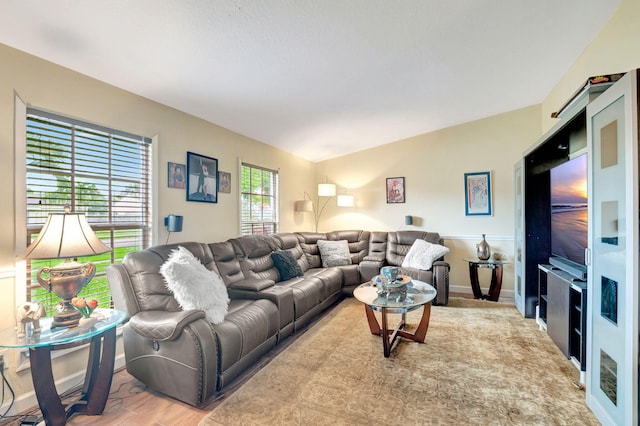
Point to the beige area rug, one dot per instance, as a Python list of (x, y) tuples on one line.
[(481, 364)]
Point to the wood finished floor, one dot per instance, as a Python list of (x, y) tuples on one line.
[(131, 403)]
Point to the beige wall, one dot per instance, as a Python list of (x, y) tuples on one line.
[(433, 166), (614, 50)]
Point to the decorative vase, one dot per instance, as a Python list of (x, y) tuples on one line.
[(483, 249), (89, 322)]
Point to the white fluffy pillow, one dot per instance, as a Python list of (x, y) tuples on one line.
[(422, 254), (194, 286), (334, 253)]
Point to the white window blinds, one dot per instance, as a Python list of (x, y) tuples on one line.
[(259, 200)]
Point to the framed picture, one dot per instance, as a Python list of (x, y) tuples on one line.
[(477, 194), (176, 175), (202, 179), (224, 182), (395, 190)]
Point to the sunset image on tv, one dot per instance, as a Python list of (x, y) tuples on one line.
[(569, 209)]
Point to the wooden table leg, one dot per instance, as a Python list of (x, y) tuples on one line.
[(423, 326), (373, 322), (97, 381), (496, 283), (473, 277), (42, 376)]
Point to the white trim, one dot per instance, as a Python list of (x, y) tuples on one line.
[(20, 198), (478, 237), (155, 188), (6, 273)]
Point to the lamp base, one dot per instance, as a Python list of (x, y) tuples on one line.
[(67, 317)]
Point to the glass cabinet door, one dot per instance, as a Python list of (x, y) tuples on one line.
[(519, 255), (612, 324)]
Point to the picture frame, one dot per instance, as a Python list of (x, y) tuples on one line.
[(202, 178), (395, 190), (224, 182), (477, 194), (176, 175)]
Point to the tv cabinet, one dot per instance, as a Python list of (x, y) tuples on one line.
[(562, 311)]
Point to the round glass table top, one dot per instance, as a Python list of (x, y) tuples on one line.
[(107, 318), (491, 261), (418, 294)]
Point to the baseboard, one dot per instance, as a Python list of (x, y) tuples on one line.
[(28, 401), (506, 296)]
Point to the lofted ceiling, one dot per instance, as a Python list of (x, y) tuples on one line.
[(317, 78)]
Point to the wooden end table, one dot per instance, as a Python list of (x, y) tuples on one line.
[(496, 278), (97, 380)]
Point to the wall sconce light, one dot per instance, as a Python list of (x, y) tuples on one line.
[(173, 224), (408, 220)]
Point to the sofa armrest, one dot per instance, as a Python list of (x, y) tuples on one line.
[(252, 284), (163, 325), (441, 281), (280, 295), (370, 267)]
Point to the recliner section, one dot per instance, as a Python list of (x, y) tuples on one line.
[(179, 353)]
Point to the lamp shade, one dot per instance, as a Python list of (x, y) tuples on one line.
[(65, 235), (326, 190), (345, 201), (303, 206)]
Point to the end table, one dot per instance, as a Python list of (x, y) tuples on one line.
[(97, 379), (496, 278)]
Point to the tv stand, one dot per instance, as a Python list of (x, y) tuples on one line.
[(562, 311)]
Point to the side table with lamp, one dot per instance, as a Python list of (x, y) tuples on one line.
[(68, 235)]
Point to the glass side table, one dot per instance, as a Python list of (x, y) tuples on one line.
[(97, 379), (419, 294), (496, 277)]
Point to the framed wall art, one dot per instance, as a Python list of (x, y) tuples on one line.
[(202, 179), (176, 175), (395, 190), (224, 182), (477, 194)]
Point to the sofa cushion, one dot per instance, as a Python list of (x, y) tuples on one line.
[(194, 286), (422, 254), (334, 253), (286, 264)]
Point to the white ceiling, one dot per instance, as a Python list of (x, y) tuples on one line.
[(317, 78)]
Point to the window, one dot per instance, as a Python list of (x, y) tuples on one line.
[(100, 172), (259, 198)]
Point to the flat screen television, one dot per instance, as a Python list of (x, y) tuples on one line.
[(569, 216)]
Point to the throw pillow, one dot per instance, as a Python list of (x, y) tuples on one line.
[(334, 253), (194, 286), (286, 264), (422, 254)]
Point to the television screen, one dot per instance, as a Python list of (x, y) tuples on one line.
[(569, 209)]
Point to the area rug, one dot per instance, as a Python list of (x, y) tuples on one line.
[(481, 363)]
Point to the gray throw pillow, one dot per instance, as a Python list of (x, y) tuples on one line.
[(286, 264), (334, 253)]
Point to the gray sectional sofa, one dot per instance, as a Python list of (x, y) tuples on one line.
[(181, 354)]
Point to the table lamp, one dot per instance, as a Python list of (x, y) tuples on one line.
[(66, 235)]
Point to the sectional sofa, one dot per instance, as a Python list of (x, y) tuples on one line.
[(182, 354)]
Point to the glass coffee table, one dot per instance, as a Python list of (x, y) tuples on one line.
[(419, 294)]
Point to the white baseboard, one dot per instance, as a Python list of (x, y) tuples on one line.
[(506, 296)]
